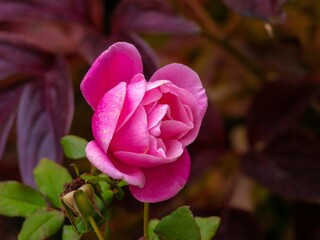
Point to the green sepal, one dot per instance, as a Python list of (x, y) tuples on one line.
[(70, 214), (83, 204), (84, 226)]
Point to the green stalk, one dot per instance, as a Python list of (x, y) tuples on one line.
[(95, 228), (145, 221)]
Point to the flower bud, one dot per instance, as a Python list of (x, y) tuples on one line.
[(80, 203)]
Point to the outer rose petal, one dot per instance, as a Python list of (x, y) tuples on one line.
[(134, 136), (115, 169), (105, 117), (117, 64), (163, 182), (184, 77)]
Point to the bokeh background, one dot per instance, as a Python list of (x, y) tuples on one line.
[(256, 161)]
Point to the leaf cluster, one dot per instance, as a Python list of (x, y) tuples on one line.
[(181, 225)]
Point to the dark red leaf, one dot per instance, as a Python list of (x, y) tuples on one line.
[(278, 107), (239, 225), (210, 144), (153, 16), (19, 56), (212, 133), (149, 59), (92, 45), (288, 165), (8, 103), (268, 10), (307, 221), (30, 10), (44, 116)]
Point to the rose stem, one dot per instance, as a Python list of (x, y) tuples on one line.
[(145, 221), (95, 228)]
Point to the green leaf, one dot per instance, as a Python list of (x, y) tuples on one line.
[(74, 146), (151, 226), (107, 196), (179, 225), (41, 225), (50, 178), (208, 226), (68, 233), (20, 200)]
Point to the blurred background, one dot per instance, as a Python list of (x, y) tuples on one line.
[(256, 161)]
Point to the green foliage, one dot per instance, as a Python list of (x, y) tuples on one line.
[(179, 225), (152, 224), (50, 178), (41, 225), (17, 199), (68, 233), (74, 146), (208, 226)]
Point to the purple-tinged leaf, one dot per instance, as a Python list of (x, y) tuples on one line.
[(8, 104), (92, 45), (268, 10), (278, 107), (30, 10), (212, 133), (153, 16), (19, 56), (44, 116), (288, 165), (239, 225), (210, 144)]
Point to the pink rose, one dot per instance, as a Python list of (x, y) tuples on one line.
[(141, 128)]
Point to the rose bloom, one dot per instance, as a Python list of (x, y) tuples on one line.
[(141, 128)]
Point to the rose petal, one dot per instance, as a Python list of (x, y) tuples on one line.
[(171, 129), (153, 92), (156, 115), (115, 169), (106, 115), (174, 149), (120, 63), (186, 99), (134, 135), (134, 95), (157, 156), (177, 109), (163, 182), (184, 77)]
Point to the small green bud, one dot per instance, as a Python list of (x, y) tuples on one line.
[(80, 203)]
